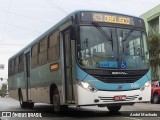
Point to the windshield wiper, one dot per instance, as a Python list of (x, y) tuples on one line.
[(103, 32), (128, 34), (111, 39)]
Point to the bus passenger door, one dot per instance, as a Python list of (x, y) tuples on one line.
[(69, 93), (27, 71)]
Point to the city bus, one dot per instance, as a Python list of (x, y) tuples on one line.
[(89, 58)]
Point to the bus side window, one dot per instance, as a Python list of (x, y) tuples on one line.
[(9, 68), (43, 51), (53, 50), (12, 67), (21, 63), (16, 64), (34, 56)]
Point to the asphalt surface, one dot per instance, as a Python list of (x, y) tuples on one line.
[(87, 113)]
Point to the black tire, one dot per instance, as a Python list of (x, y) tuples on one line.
[(114, 108), (30, 105), (22, 103), (57, 107), (156, 99)]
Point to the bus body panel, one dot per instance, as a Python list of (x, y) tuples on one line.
[(40, 94), (106, 92), (41, 78), (86, 97), (100, 85), (14, 83)]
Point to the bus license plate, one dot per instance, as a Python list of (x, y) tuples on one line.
[(120, 97)]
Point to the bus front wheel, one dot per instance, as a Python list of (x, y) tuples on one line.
[(57, 107), (114, 108), (30, 105)]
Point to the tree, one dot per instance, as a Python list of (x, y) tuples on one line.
[(154, 51), (3, 90)]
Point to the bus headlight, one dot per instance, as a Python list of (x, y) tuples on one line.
[(87, 86), (147, 84)]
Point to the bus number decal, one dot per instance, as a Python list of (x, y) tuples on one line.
[(98, 17), (134, 85)]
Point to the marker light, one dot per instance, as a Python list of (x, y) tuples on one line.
[(87, 86)]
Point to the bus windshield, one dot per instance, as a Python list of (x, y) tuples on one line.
[(112, 48)]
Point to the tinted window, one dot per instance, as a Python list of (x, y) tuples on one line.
[(34, 56), (53, 51), (43, 51), (21, 63)]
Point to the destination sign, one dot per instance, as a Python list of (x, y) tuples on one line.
[(112, 18)]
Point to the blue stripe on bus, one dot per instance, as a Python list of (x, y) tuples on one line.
[(83, 76)]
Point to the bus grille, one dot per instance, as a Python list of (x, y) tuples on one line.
[(118, 79), (111, 99)]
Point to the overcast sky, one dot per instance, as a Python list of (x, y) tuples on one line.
[(21, 21)]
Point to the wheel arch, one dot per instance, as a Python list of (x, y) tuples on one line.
[(52, 88)]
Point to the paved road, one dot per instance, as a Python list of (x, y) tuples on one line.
[(86, 113)]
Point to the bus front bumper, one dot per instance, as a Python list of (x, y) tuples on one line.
[(85, 97)]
